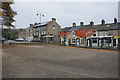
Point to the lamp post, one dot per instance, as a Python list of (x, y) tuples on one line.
[(41, 15)]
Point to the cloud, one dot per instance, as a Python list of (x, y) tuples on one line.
[(65, 12)]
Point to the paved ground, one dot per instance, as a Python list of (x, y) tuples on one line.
[(52, 61)]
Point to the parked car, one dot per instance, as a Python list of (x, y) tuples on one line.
[(10, 41), (19, 40)]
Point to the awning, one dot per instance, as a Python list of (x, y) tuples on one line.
[(116, 37), (47, 36)]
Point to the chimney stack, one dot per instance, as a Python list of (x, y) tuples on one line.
[(115, 20), (31, 25), (53, 19), (81, 23), (74, 24), (91, 23), (103, 21), (35, 23)]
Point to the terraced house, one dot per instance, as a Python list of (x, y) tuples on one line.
[(104, 35), (47, 31)]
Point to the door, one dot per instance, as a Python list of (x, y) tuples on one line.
[(69, 42), (88, 42), (77, 41), (114, 42), (99, 42)]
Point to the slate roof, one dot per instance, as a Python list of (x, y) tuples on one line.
[(80, 27), (66, 29), (115, 26), (111, 26), (42, 24)]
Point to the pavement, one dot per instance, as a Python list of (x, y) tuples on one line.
[(53, 61)]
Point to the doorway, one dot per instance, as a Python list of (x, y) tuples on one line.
[(77, 41), (114, 42)]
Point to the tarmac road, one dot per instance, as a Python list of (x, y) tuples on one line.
[(52, 61)]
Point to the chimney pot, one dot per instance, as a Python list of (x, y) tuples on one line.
[(81, 23), (74, 24), (35, 23), (103, 21), (31, 25), (91, 23), (53, 19), (115, 20)]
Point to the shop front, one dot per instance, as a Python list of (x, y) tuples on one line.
[(99, 42), (116, 41)]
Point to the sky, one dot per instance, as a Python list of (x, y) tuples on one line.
[(65, 12)]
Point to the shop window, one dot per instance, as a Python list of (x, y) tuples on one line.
[(108, 40), (65, 39), (94, 40)]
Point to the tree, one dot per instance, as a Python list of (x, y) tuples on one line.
[(84, 33), (9, 14), (8, 35), (64, 34)]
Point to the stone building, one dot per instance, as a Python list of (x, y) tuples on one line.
[(47, 31), (105, 35), (22, 34), (29, 33)]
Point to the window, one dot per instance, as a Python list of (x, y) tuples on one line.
[(39, 28), (73, 40), (101, 33), (82, 41), (106, 33), (42, 32), (94, 40), (34, 30), (94, 34), (39, 34), (51, 39), (108, 40), (53, 28), (44, 28), (73, 34)]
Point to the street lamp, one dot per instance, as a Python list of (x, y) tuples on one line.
[(41, 15)]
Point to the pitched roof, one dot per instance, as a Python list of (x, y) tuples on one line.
[(42, 24), (66, 29), (74, 28), (111, 26)]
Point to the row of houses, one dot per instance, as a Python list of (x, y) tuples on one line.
[(102, 35)]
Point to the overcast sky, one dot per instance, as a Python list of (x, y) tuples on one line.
[(65, 12)]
